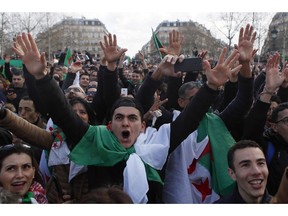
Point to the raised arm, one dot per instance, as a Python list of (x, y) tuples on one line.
[(191, 116), (26, 131), (256, 119), (234, 113), (111, 90), (52, 96)]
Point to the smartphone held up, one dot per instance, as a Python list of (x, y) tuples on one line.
[(189, 65)]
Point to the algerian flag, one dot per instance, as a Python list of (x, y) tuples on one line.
[(100, 147), (68, 58), (127, 60), (197, 169), (157, 43)]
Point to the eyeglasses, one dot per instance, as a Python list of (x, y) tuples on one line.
[(9, 146), (91, 93), (283, 120), (190, 98), (16, 147)]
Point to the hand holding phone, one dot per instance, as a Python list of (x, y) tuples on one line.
[(124, 92), (189, 65)]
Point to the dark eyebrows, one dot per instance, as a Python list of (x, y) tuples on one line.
[(249, 161), (123, 115), (244, 161)]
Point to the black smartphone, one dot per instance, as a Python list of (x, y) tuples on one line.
[(189, 65)]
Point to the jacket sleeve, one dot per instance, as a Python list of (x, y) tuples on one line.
[(33, 93), (111, 90), (230, 91), (98, 103), (59, 109), (255, 122), (26, 131), (145, 94), (190, 117), (173, 84), (68, 81), (233, 115)]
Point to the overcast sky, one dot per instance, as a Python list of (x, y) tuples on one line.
[(132, 21)]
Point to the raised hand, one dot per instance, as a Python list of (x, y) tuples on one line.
[(121, 60), (274, 78), (26, 48), (285, 74), (140, 56), (76, 66), (166, 66), (222, 71), (245, 44), (175, 44), (110, 49)]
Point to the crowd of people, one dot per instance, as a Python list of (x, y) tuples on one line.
[(110, 132)]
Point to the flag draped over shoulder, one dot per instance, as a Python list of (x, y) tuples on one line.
[(102, 148), (197, 169), (157, 43), (68, 58)]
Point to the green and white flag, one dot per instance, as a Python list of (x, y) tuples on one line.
[(157, 43), (68, 58), (197, 169)]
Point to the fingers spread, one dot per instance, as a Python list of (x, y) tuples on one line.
[(33, 44)]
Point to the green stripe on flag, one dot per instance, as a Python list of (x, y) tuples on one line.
[(68, 58), (157, 43), (220, 141), (14, 63)]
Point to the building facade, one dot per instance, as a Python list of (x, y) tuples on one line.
[(196, 38), (74, 34), (277, 37)]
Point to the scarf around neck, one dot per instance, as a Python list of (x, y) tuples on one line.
[(105, 150)]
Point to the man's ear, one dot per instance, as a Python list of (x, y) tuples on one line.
[(180, 102), (143, 127), (274, 127), (109, 126), (231, 173)]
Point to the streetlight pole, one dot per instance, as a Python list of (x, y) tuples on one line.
[(284, 45), (274, 33)]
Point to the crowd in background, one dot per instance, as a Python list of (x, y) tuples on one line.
[(110, 131)]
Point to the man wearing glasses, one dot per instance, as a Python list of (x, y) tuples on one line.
[(274, 141)]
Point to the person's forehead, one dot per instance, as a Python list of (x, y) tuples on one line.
[(282, 114), (248, 154), (17, 77), (85, 76), (126, 110), (92, 89), (15, 158), (27, 103)]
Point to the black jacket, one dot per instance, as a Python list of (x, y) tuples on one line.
[(235, 197)]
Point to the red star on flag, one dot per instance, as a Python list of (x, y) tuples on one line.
[(204, 189)]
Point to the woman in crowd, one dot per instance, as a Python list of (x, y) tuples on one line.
[(18, 173)]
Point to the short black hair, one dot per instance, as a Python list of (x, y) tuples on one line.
[(9, 149), (240, 145), (87, 106), (279, 108), (17, 72), (186, 87), (127, 102)]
